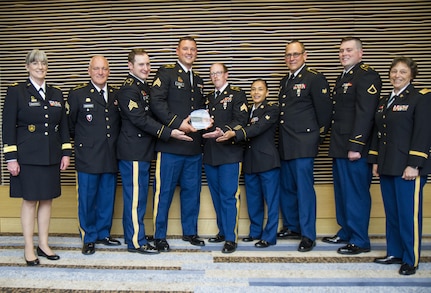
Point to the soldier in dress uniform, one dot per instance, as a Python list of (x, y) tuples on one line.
[(400, 153), (261, 165), (227, 105), (135, 150), (36, 147), (176, 91), (305, 116), (94, 123), (355, 97)]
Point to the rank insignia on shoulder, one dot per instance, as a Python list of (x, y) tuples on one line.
[(132, 105), (243, 107), (366, 67), (169, 66), (56, 87), (372, 90), (157, 82), (14, 84), (80, 86), (425, 91), (235, 88), (312, 70), (128, 81)]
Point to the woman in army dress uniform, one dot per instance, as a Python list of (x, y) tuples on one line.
[(400, 153), (36, 147)]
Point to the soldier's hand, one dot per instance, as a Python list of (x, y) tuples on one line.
[(178, 134), (186, 126), (214, 134), (226, 136)]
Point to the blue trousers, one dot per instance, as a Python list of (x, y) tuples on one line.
[(171, 170), (352, 180), (96, 197), (298, 197), (135, 178), (223, 183), (260, 188), (403, 202)]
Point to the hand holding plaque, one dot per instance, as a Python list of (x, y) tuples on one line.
[(200, 119)]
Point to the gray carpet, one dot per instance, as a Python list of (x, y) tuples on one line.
[(279, 268)]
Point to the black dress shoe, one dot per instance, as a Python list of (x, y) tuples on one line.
[(249, 239), (149, 238), (334, 240), (306, 244), (286, 233), (407, 269), (40, 252), (388, 260), (352, 249), (109, 241), (162, 245), (32, 263), (144, 249), (88, 248), (262, 244), (229, 247), (218, 238), (194, 240)]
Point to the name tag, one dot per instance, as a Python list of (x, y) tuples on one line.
[(88, 106), (34, 104)]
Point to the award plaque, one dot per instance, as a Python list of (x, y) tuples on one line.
[(200, 119)]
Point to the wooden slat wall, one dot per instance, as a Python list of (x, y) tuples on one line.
[(249, 36)]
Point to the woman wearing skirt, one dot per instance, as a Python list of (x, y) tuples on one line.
[(36, 147)]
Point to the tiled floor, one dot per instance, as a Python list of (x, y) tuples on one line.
[(187, 268)]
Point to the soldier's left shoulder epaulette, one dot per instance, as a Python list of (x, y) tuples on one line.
[(236, 88), (128, 81), (366, 67), (169, 65), (314, 71), (14, 84), (425, 91), (273, 104), (56, 87), (80, 86), (115, 87)]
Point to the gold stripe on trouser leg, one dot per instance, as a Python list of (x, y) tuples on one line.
[(237, 198), (135, 201), (82, 232), (157, 192), (416, 220)]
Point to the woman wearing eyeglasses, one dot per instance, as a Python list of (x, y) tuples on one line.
[(36, 147), (400, 153)]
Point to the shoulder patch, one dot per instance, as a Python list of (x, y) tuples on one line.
[(169, 65), (235, 88), (128, 81), (425, 91), (80, 86), (312, 70), (366, 67)]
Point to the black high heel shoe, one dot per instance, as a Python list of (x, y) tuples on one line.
[(32, 263), (40, 252)]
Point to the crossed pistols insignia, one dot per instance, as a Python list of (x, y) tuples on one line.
[(372, 90), (132, 104)]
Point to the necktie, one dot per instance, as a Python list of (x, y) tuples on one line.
[(42, 93), (102, 94), (391, 100), (191, 77), (290, 79), (217, 93)]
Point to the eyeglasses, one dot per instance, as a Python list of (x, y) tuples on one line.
[(294, 55), (218, 73)]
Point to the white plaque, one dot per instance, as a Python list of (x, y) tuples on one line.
[(200, 119)]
